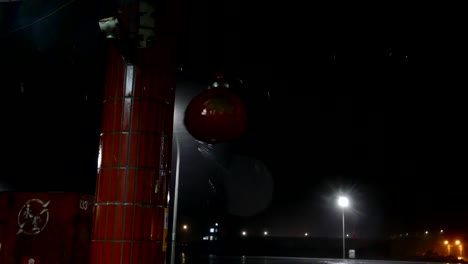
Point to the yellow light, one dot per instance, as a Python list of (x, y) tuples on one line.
[(457, 242), (446, 242)]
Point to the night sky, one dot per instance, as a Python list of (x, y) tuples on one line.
[(366, 101), (363, 100)]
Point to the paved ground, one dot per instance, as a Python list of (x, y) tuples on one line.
[(289, 260)]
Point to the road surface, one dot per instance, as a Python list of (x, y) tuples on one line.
[(291, 260)]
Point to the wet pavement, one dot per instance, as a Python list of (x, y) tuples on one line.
[(288, 260)]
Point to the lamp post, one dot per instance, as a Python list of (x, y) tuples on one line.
[(460, 248), (343, 202), (176, 200), (448, 247)]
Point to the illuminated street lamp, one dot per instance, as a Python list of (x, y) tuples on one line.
[(448, 247), (343, 202), (460, 248), (458, 244)]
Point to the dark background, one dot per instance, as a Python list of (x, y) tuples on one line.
[(366, 100), (52, 62), (359, 99)]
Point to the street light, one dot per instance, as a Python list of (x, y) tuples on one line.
[(343, 202), (448, 247)]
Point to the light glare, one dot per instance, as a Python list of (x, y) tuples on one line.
[(343, 201)]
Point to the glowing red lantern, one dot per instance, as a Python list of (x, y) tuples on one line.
[(216, 115)]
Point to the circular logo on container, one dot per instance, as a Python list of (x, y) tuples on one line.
[(29, 260), (33, 217)]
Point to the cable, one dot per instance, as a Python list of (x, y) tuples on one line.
[(44, 17)]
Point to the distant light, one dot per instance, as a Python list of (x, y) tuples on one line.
[(343, 201), (441, 230), (211, 230), (347, 235), (265, 233), (205, 238), (446, 242), (185, 227), (427, 232), (211, 238), (244, 233), (457, 242), (216, 224), (306, 234), (407, 234)]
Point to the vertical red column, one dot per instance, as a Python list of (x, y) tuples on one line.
[(135, 152)]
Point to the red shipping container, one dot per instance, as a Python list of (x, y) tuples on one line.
[(40, 228)]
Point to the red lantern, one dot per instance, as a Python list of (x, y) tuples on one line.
[(216, 115)]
